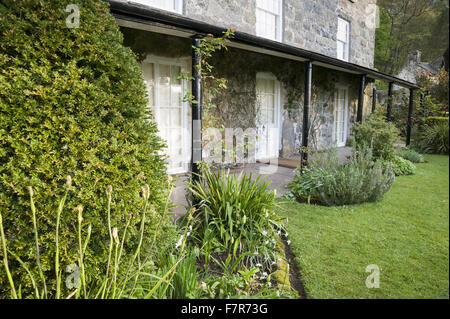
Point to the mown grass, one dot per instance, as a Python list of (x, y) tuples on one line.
[(406, 234)]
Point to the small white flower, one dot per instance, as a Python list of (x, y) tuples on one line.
[(279, 232), (264, 274), (190, 227), (180, 241), (286, 234), (279, 259), (288, 242), (264, 233), (267, 214), (258, 265), (269, 284), (188, 234), (266, 242)]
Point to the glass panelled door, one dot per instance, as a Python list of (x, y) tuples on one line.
[(166, 99), (267, 108), (340, 116)]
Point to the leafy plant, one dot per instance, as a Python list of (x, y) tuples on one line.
[(401, 166), (238, 212), (325, 181), (124, 278), (434, 139), (411, 155), (72, 102), (377, 134)]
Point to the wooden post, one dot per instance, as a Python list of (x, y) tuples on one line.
[(362, 86), (410, 111), (389, 104), (374, 99), (306, 106), (196, 105)]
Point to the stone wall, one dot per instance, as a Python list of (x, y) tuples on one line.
[(308, 24), (236, 105)]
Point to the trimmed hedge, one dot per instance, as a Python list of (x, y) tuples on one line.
[(72, 102)]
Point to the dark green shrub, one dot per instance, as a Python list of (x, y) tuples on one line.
[(411, 155), (329, 183), (72, 102), (377, 134), (434, 138)]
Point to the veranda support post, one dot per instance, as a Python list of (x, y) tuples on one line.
[(410, 111), (362, 86), (374, 99), (389, 102), (196, 145), (306, 106)]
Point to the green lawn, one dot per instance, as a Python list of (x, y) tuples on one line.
[(405, 234)]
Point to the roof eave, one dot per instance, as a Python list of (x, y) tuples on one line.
[(137, 13)]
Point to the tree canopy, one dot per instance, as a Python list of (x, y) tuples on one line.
[(407, 25)]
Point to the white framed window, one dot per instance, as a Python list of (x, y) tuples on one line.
[(343, 39), (269, 19), (171, 112), (169, 5)]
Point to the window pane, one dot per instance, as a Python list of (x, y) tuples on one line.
[(268, 20), (342, 33), (161, 4), (149, 80), (340, 50)]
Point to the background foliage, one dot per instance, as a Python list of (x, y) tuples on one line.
[(407, 25)]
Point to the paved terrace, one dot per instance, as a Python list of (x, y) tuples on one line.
[(278, 176)]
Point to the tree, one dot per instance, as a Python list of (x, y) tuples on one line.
[(407, 25)]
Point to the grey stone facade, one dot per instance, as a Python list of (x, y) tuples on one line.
[(308, 24)]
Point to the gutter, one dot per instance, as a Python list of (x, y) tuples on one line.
[(137, 13)]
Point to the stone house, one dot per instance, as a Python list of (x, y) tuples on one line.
[(415, 65), (300, 73)]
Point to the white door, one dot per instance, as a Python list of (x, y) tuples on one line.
[(340, 116), (267, 116), (166, 99)]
